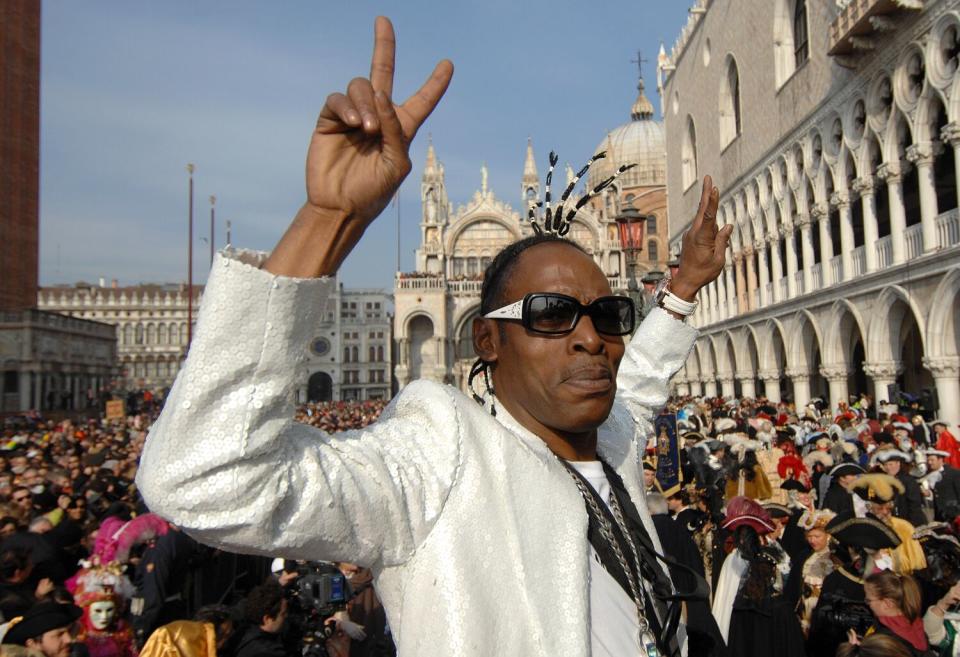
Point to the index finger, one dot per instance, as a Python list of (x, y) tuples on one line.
[(417, 107), (384, 52)]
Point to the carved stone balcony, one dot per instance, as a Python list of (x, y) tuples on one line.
[(860, 21)]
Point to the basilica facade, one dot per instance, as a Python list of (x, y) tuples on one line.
[(832, 129), (435, 305)]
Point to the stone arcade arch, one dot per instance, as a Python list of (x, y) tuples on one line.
[(843, 352), (895, 333), (943, 345)]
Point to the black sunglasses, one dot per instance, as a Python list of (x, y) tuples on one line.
[(554, 314)]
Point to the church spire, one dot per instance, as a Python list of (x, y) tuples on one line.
[(530, 174), (642, 109), (530, 184), (431, 167)]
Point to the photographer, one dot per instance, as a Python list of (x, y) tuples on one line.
[(266, 610), (896, 604)]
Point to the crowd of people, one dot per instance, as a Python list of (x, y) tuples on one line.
[(86, 569), (821, 531)]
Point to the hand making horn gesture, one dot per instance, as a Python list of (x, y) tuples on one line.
[(358, 156), (704, 250)]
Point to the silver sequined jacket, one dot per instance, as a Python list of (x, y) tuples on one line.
[(475, 532)]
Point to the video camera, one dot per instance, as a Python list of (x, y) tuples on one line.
[(319, 592)]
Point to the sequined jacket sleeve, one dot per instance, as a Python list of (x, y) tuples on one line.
[(656, 352), (227, 462)]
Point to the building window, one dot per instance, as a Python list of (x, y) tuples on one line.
[(380, 354), (688, 155), (730, 123), (801, 49), (355, 354), (652, 251), (139, 334), (373, 353), (651, 224), (346, 354)]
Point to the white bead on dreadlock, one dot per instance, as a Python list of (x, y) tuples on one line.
[(555, 222)]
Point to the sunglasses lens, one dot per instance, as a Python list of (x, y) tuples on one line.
[(547, 313), (613, 315)]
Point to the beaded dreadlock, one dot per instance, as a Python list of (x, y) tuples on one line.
[(491, 295), (554, 221)]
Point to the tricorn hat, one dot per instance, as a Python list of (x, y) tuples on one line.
[(867, 532)]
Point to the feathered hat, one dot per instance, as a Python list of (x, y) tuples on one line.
[(791, 467), (877, 487), (817, 519)]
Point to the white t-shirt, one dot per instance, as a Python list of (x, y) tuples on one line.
[(614, 629)]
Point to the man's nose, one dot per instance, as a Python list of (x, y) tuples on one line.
[(585, 336)]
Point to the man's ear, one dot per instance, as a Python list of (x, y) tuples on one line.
[(486, 339)]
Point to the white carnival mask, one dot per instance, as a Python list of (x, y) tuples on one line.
[(102, 614)]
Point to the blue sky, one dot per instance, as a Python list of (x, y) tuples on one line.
[(132, 91)]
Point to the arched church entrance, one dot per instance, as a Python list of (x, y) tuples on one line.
[(320, 387), (422, 356)]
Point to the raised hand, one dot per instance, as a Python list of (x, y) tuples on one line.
[(358, 156), (704, 249)]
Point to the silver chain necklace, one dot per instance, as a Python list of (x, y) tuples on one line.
[(606, 530)]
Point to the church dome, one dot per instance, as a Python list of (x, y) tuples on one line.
[(640, 142)]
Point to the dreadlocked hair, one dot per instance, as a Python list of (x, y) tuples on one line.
[(491, 295)]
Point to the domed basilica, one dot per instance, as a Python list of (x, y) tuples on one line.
[(436, 304)]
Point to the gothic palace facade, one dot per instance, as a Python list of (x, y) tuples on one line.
[(832, 129)]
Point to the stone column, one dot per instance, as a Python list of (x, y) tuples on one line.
[(748, 385), (841, 201), (791, 261), (706, 304), (751, 277), (680, 385), (696, 387), (864, 187), (38, 400), (731, 292), (709, 387), (836, 375), (821, 215), (946, 374), (741, 283), (24, 388), (922, 156), (764, 272), (806, 243), (892, 173), (726, 384), (771, 382), (801, 386), (722, 294), (776, 264), (883, 373)]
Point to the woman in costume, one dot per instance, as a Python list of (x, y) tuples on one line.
[(101, 593), (818, 565)]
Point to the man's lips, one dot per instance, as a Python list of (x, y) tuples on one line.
[(591, 379)]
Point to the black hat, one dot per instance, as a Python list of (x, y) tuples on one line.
[(693, 435), (867, 532), (846, 469), (40, 618), (777, 510), (794, 484), (884, 438), (648, 465)]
